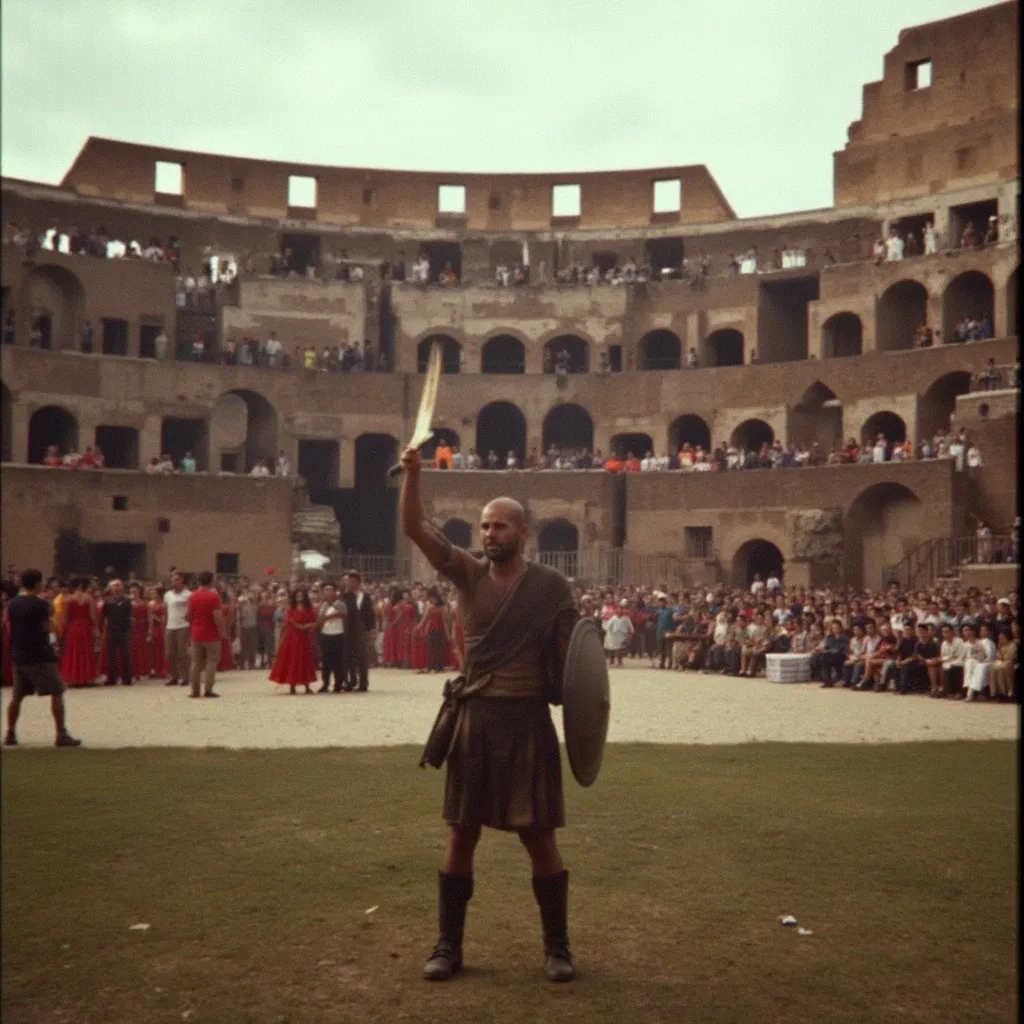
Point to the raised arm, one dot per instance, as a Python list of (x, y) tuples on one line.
[(444, 556)]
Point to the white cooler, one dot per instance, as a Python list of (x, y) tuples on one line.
[(788, 668)]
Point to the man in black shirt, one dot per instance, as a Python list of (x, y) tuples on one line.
[(117, 628), (33, 658), (913, 668)]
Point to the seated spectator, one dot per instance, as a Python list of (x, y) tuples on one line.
[(472, 459), (53, 456), (951, 662), (88, 460), (165, 465), (990, 378), (260, 469), (511, 462), (632, 464), (493, 461), (442, 456), (73, 459), (188, 463), (613, 464)]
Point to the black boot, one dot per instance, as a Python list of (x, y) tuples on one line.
[(453, 894), (552, 894)]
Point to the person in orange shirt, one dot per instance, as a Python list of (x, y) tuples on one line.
[(613, 464), (443, 456)]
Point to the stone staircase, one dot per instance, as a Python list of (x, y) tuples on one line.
[(315, 528)]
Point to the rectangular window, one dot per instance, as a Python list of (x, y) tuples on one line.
[(451, 199), (302, 192), (169, 178), (120, 503), (163, 526), (238, 184), (793, 258), (566, 200), (668, 195), (917, 75), (697, 542), (227, 563), (115, 336)]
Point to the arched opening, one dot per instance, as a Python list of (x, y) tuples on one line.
[(429, 450), (576, 354), (938, 403), (7, 409), (1012, 323), (243, 431), (880, 528), (501, 428), (459, 532), (659, 350), (625, 445), (756, 558), (375, 455), (969, 296), (119, 445), (886, 423), (752, 435), (503, 354), (817, 418), (902, 309), (178, 436), (56, 301), (51, 425), (691, 430), (568, 426), (558, 546), (451, 353), (842, 335), (725, 348)]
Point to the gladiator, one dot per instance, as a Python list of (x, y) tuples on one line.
[(494, 732)]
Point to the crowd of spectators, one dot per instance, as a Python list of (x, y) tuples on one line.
[(946, 642), (899, 245)]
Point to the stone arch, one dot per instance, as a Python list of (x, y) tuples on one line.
[(751, 434), (842, 335), (558, 543), (375, 455), (902, 309), (659, 350), (501, 427), (969, 295), (577, 349), (725, 347), (52, 424), (568, 426), (7, 411), (428, 450), (253, 437), (938, 403), (689, 429), (56, 298), (881, 526), (1012, 312), (459, 532), (504, 353), (884, 422), (817, 418), (451, 353), (756, 556), (625, 445)]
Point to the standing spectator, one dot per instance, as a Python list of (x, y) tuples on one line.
[(930, 239), (282, 467), (117, 633), (294, 664), (618, 631), (34, 661), (206, 631), (87, 338), (266, 638), (894, 246), (360, 632), (188, 463), (247, 631), (331, 622), (160, 344)]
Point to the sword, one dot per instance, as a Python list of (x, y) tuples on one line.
[(422, 432)]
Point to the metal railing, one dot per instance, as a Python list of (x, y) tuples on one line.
[(617, 566), (376, 567), (944, 557)]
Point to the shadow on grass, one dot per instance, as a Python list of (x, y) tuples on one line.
[(255, 869)]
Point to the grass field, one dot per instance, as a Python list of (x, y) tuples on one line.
[(254, 870)]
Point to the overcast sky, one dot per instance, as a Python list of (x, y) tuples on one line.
[(761, 91)]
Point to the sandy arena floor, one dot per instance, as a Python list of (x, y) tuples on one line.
[(647, 706)]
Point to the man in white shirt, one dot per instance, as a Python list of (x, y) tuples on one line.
[(930, 239), (260, 469), (774, 584), (274, 348), (283, 467), (331, 617), (757, 587), (894, 246), (160, 344), (973, 457), (879, 450), (176, 631)]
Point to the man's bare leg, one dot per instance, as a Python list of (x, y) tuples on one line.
[(454, 891), (551, 889), (13, 710)]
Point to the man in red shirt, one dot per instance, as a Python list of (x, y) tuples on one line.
[(206, 627)]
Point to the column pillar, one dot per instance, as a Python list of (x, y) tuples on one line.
[(19, 432), (149, 439), (695, 332), (346, 462)]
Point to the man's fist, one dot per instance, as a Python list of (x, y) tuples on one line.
[(410, 460)]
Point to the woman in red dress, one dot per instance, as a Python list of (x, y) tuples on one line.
[(140, 633), (418, 653), (408, 616), (78, 636), (229, 607), (434, 626), (293, 665), (157, 627)]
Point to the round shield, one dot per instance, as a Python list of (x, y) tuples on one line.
[(586, 701)]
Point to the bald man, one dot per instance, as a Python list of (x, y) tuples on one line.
[(503, 764)]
